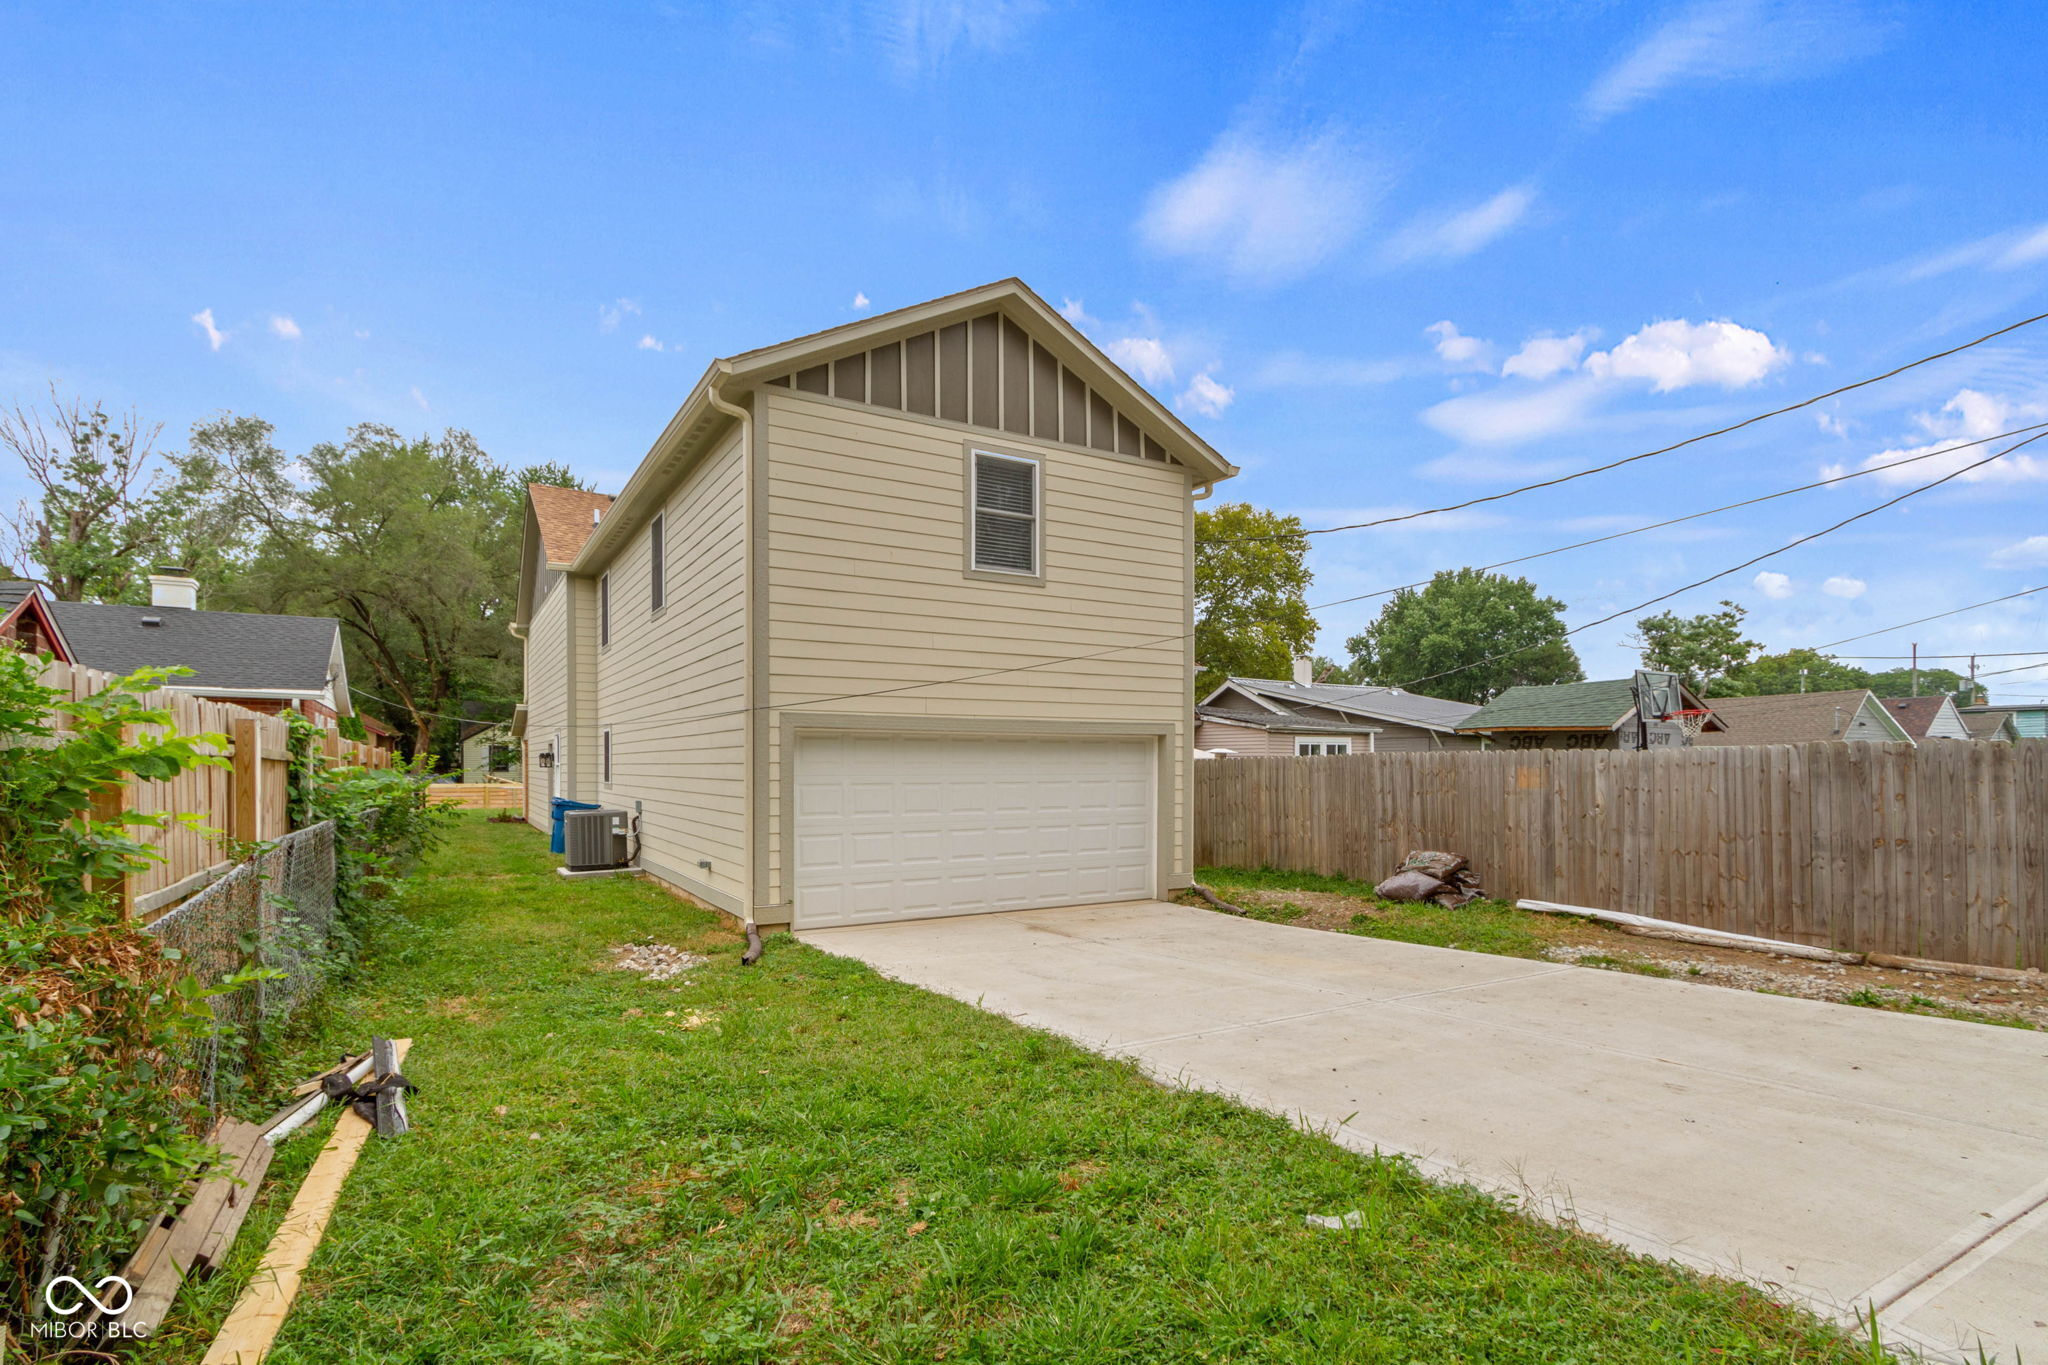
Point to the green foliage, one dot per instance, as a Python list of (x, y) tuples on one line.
[(1899, 682), (1704, 650), (413, 543), (97, 1123), (383, 822), (1251, 605), (550, 472), (1807, 670), (1483, 632)]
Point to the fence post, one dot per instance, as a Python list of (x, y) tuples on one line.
[(245, 805), (110, 803)]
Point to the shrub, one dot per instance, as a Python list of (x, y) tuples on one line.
[(98, 1124)]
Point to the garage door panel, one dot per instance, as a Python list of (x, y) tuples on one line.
[(900, 826)]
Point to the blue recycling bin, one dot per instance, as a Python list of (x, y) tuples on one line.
[(561, 805)]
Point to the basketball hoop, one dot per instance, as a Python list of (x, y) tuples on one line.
[(1694, 721)]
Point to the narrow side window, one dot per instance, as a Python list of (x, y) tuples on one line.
[(1005, 512), (657, 559)]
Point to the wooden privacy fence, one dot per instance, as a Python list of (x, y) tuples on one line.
[(244, 802), (1939, 851), (489, 795)]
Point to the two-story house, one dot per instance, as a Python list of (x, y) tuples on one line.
[(894, 620)]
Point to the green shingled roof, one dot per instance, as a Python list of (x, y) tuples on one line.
[(1565, 706)]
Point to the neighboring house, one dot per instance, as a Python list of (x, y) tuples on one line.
[(263, 663), (1581, 715), (2029, 720), (26, 621), (1992, 725), (892, 621), (1266, 716), (1925, 718), (1855, 714), (489, 750)]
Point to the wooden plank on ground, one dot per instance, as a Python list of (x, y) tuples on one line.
[(253, 1323), (178, 1252)]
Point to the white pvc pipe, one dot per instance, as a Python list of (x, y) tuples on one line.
[(1720, 937), (315, 1102)]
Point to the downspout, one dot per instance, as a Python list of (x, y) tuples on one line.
[(745, 418)]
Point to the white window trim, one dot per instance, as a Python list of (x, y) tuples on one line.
[(980, 572), (1321, 748)]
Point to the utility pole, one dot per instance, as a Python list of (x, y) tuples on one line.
[(1973, 679), (1916, 669)]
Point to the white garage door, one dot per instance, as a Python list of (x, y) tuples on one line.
[(906, 826)]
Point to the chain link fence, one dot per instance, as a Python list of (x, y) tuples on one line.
[(276, 911)]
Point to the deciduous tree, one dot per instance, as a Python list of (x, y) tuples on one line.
[(1704, 650), (1468, 636), (1251, 581)]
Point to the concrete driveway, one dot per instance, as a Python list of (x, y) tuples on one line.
[(1835, 1155)]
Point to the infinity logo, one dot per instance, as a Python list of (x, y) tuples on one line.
[(127, 1295)]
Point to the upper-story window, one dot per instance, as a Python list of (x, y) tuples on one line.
[(1004, 499), (657, 560), (604, 610)]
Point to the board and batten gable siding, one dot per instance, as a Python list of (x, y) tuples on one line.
[(547, 694), (865, 588), (672, 684)]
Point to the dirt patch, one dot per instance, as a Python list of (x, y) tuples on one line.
[(1607, 947)]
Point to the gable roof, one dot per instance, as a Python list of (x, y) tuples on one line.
[(709, 408), (1797, 717), (13, 592), (229, 650), (1915, 714), (1377, 703), (1989, 725), (20, 598), (1288, 723), (1600, 705), (564, 516)]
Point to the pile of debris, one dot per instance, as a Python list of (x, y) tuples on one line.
[(655, 961), (1445, 879)]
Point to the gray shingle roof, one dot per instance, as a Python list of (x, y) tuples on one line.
[(1377, 703), (227, 649), (12, 593), (1288, 724), (1596, 705)]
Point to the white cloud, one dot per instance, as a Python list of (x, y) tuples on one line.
[(921, 35), (1453, 236), (1731, 40), (2031, 553), (1677, 354), (1263, 211), (362, 334), (610, 315), (1841, 585), (1505, 416), (1545, 356), (285, 327), (1206, 396), (649, 342), (1773, 585), (1073, 312), (1969, 416), (1145, 357), (860, 301), (420, 399), (1456, 349), (2028, 249), (1830, 423), (214, 335)]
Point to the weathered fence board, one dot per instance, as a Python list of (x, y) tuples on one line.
[(1939, 851), (244, 802)]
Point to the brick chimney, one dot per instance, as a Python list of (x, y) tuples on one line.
[(173, 586)]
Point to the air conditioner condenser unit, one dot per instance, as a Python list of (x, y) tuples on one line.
[(594, 840)]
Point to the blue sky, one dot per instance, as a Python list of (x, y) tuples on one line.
[(1383, 256)]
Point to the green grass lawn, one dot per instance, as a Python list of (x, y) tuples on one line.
[(1481, 926), (802, 1161)]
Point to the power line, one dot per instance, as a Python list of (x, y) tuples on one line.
[(437, 715), (1886, 630), (1711, 511), (1980, 654), (1754, 559), (1645, 455)]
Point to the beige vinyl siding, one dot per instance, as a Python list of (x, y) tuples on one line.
[(1947, 724), (1250, 742), (547, 694), (864, 589), (581, 780), (672, 683)]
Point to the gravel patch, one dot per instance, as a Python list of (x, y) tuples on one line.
[(655, 961)]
